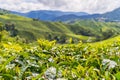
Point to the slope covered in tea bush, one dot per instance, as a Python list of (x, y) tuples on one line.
[(46, 60)]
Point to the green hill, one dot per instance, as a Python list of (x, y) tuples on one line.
[(32, 29), (100, 30)]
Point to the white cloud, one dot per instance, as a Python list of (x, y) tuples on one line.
[(90, 6)]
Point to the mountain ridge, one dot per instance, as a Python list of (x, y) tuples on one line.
[(47, 15), (112, 16)]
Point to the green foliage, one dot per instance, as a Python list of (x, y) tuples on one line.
[(117, 75), (3, 12), (45, 44), (100, 30), (1, 27), (47, 60)]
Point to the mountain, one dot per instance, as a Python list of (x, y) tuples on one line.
[(47, 15), (66, 17), (113, 15), (107, 17)]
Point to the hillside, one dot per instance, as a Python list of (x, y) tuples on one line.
[(65, 18), (100, 30), (32, 29)]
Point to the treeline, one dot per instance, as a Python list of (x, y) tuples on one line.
[(2, 11), (10, 27), (99, 34)]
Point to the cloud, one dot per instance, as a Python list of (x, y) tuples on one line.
[(90, 6)]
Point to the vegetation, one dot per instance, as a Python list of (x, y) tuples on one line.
[(2, 11), (43, 59), (31, 29), (100, 30)]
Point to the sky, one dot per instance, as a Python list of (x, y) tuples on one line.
[(89, 6)]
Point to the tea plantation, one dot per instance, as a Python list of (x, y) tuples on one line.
[(46, 60)]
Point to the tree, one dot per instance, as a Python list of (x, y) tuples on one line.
[(11, 28), (1, 28)]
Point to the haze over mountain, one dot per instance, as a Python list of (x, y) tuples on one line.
[(49, 15), (113, 16), (108, 16)]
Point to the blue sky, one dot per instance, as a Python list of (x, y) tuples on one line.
[(90, 6)]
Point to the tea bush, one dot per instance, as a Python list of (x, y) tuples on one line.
[(45, 60)]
